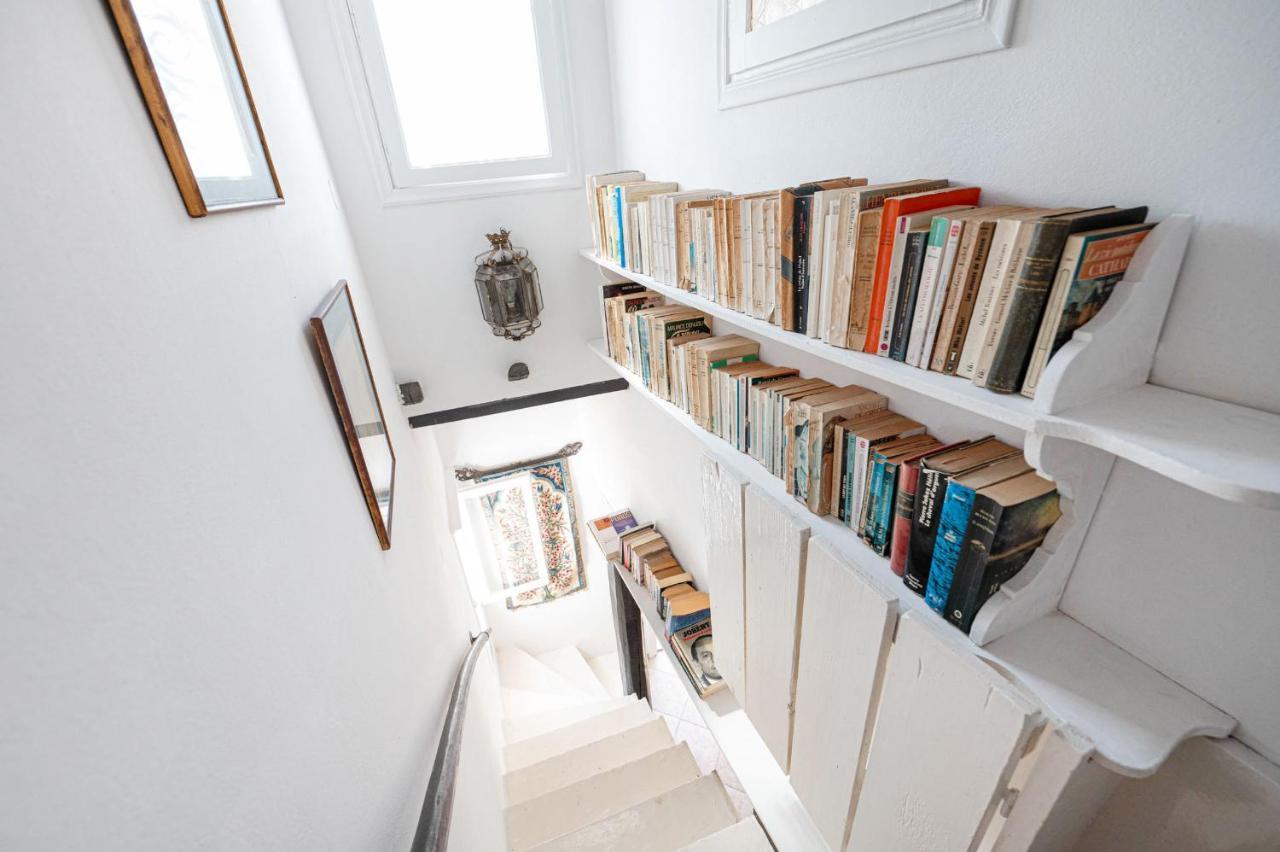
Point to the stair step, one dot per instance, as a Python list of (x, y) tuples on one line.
[(607, 672), (517, 669), (566, 810), (569, 663), (516, 728), (528, 752), (583, 762), (668, 821), (745, 836), (522, 702)]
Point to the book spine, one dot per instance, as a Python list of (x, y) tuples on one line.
[(893, 286), (864, 269), (953, 525), (967, 583), (866, 525), (968, 298), (1026, 306), (903, 513), (884, 252), (931, 284), (617, 212), (884, 511), (786, 260), (800, 263), (930, 488), (850, 451), (909, 291), (680, 622)]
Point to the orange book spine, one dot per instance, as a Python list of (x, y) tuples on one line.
[(903, 205)]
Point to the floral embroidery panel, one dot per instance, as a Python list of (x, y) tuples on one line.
[(518, 546)]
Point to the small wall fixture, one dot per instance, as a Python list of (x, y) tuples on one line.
[(507, 284)]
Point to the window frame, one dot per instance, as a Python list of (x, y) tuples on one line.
[(838, 41), (401, 183)]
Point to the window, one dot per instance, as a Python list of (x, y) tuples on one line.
[(772, 48), (466, 98), (520, 535)]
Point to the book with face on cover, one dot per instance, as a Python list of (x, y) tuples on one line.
[(695, 651)]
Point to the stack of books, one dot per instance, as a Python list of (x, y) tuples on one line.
[(955, 519), (686, 612), (916, 271)]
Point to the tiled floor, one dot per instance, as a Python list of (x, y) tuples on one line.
[(669, 700)]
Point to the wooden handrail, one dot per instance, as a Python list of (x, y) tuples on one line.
[(432, 834)]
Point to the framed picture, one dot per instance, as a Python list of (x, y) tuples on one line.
[(346, 365), (191, 77)]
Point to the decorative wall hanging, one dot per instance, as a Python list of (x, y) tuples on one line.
[(188, 68), (527, 520), (507, 284), (346, 365)]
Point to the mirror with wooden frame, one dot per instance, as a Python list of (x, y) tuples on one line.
[(346, 365), (188, 68)]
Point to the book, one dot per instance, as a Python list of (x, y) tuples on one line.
[(656, 567), (864, 442), (821, 438), (1091, 265), (904, 505), (688, 609), (780, 447), (695, 651), (841, 458), (629, 197), (607, 529), (668, 330), (877, 517), (672, 592), (1019, 317), (794, 247), (908, 290), (796, 423), (631, 538), (706, 355), (763, 401), (931, 487), (893, 209), (616, 310), (1009, 520), (750, 394), (594, 183), (953, 522), (905, 226)]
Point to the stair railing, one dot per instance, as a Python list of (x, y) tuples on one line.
[(432, 834)]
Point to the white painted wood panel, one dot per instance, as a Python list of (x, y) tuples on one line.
[(665, 822), (948, 734), (584, 802), (573, 765), (745, 836), (844, 644), (515, 728), (530, 751), (776, 541), (722, 501)]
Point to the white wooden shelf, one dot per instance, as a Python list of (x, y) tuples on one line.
[(1133, 715), (1014, 410), (776, 804), (1094, 392)]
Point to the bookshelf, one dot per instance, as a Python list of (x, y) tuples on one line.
[(776, 804), (1133, 715), (1095, 392)]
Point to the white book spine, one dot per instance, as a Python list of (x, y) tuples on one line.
[(1000, 307), (954, 231), (899, 249), (924, 303), (992, 275)]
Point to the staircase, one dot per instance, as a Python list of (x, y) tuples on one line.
[(588, 768)]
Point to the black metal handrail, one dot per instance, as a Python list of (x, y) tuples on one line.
[(437, 808)]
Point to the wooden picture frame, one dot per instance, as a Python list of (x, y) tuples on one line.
[(192, 80), (355, 396)]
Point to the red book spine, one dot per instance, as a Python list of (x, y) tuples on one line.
[(903, 510)]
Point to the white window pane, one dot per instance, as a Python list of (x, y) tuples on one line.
[(465, 79), (180, 38)]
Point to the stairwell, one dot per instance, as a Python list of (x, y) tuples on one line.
[(589, 768)]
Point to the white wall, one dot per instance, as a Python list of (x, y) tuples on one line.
[(420, 258), (1167, 104), (201, 644)]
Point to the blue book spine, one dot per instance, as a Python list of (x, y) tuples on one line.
[(680, 622), (953, 523), (617, 214), (850, 452), (884, 510), (873, 494), (644, 353)]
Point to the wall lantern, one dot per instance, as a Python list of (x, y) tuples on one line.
[(507, 284)]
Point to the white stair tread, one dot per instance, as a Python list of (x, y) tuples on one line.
[(534, 749), (518, 669), (569, 663), (662, 824), (521, 727), (583, 762), (606, 669), (745, 836), (592, 799), (523, 702)]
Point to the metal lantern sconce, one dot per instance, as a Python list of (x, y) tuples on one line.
[(507, 284)]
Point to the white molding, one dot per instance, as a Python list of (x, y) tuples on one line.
[(399, 185), (843, 40)]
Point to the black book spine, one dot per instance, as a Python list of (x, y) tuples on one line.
[(908, 291), (965, 598), (804, 204), (930, 489)]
